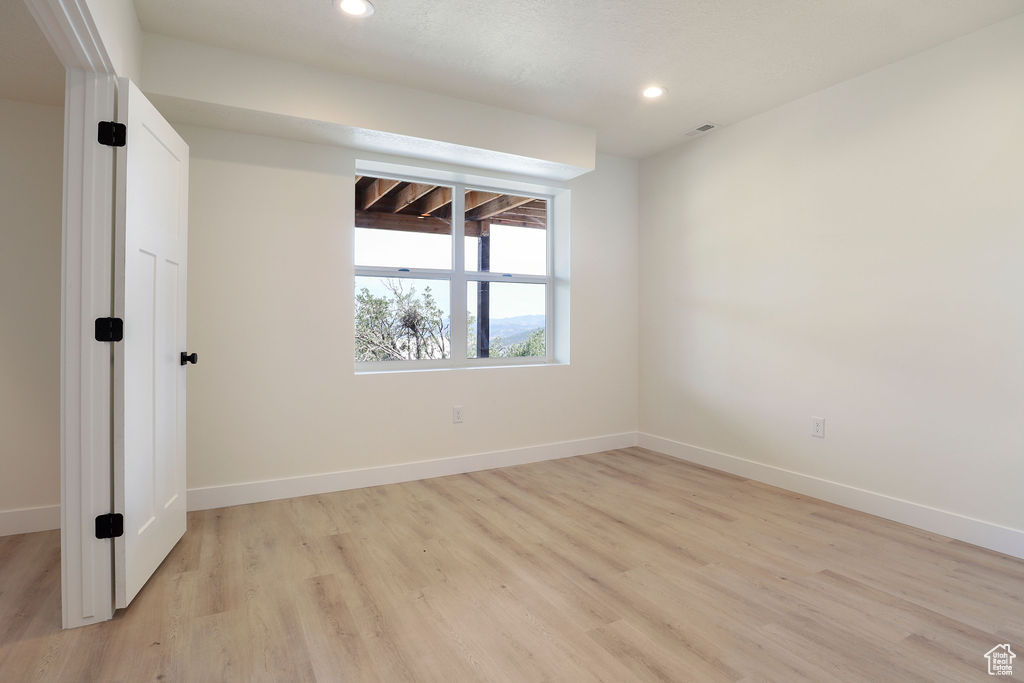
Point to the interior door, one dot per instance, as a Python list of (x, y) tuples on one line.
[(151, 249)]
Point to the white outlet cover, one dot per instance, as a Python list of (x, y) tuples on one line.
[(457, 415), (818, 427)]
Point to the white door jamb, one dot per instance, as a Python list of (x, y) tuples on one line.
[(86, 294)]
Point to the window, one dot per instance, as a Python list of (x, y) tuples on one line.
[(450, 275)]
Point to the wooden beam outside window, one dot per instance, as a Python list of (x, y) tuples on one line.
[(409, 195), (496, 205), (374, 192)]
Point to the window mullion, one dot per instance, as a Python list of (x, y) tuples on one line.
[(458, 282)]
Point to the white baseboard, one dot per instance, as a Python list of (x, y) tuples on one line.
[(27, 520), (258, 491), (44, 518), (985, 534)]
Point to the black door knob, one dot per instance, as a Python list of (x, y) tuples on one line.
[(186, 358)]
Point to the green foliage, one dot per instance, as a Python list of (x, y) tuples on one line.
[(530, 347), (401, 326)]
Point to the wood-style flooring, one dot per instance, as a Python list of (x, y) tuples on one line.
[(620, 566)]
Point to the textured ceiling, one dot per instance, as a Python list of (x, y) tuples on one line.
[(29, 70), (585, 61)]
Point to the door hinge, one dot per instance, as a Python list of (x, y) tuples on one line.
[(110, 526), (109, 329), (112, 133)]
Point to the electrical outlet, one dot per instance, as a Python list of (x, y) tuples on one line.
[(818, 427), (457, 415)]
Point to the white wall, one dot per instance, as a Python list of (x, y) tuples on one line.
[(270, 315), (859, 255), (31, 144)]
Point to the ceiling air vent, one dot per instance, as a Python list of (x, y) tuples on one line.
[(700, 130)]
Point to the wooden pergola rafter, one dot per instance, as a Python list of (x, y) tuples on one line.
[(385, 204)]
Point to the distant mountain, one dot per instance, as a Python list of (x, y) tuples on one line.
[(515, 329)]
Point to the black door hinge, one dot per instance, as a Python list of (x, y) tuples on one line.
[(110, 526), (109, 329), (112, 134)]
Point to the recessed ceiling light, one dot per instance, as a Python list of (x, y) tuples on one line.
[(652, 92), (357, 8)]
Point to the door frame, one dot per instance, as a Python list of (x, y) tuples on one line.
[(87, 293)]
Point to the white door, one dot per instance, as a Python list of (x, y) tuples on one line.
[(149, 374)]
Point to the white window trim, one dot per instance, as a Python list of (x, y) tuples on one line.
[(555, 316)]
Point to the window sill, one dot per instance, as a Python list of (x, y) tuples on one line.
[(377, 370)]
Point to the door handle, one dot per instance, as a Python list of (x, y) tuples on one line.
[(186, 358)]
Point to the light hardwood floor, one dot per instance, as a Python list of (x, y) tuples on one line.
[(619, 566)]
